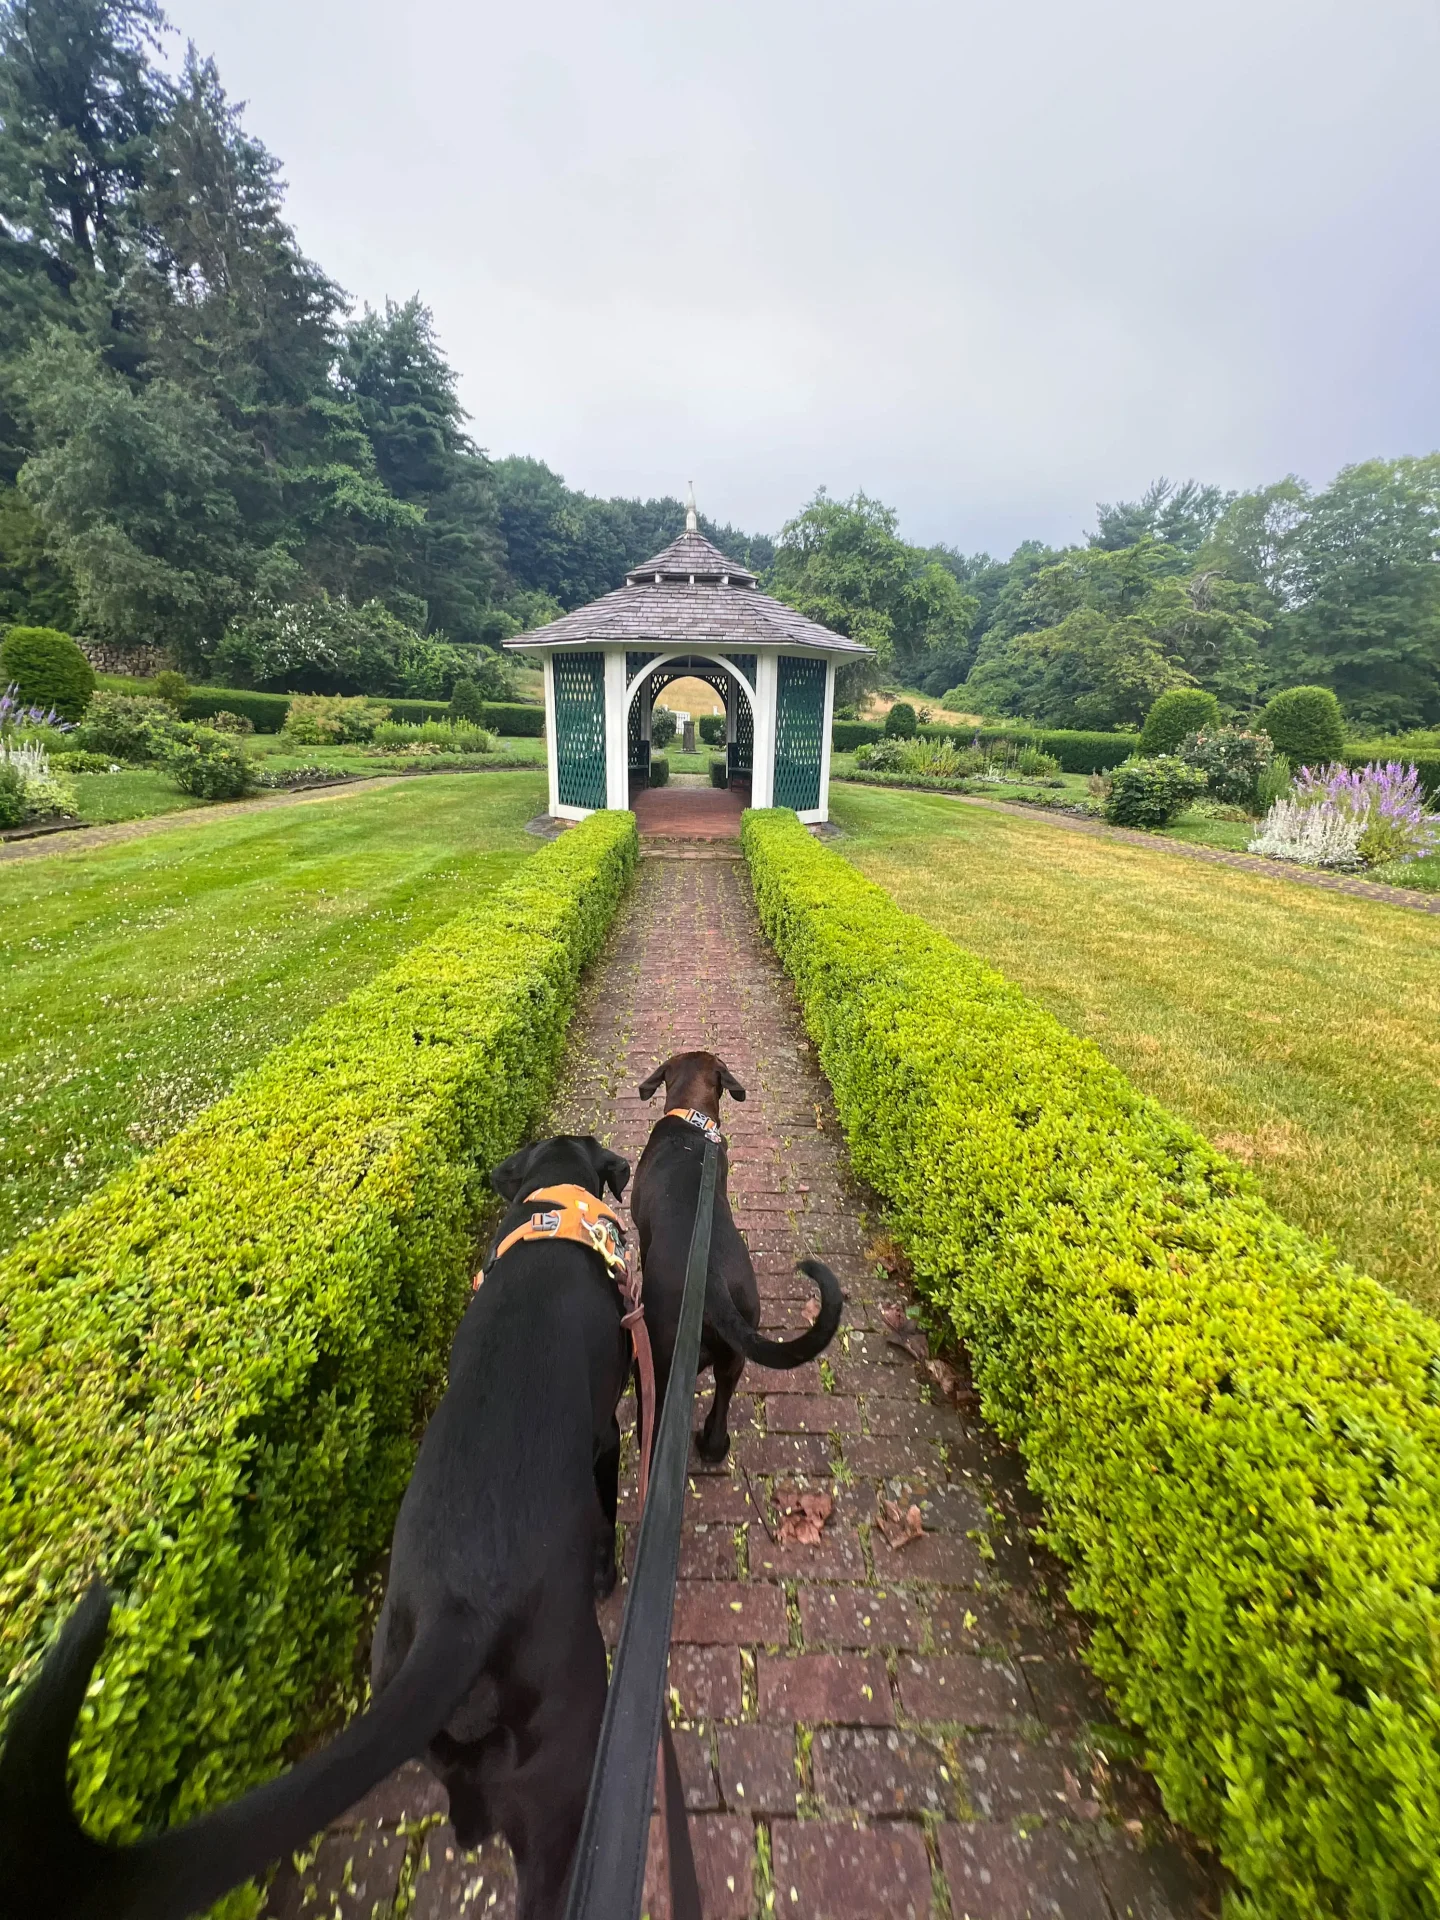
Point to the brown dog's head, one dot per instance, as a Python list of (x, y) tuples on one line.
[(695, 1080)]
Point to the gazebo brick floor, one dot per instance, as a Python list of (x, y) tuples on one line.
[(864, 1731)]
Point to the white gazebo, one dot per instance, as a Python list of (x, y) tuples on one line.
[(688, 612)]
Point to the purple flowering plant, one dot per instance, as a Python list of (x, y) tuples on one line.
[(1384, 798), (15, 712)]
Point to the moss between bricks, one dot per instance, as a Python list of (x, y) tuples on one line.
[(212, 1371), (1237, 1437)]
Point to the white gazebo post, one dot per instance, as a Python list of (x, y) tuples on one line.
[(762, 777), (617, 736), (552, 764)]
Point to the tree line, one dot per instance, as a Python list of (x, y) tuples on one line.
[(203, 449)]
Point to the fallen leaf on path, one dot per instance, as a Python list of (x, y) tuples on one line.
[(812, 1311), (897, 1319), (900, 1525), (804, 1522), (945, 1377)]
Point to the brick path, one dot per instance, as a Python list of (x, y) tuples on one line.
[(689, 813), (863, 1731)]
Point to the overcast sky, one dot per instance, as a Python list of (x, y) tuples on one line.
[(988, 262)]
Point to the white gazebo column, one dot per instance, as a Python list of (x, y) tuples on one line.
[(762, 779), (617, 754), (547, 665), (827, 729)]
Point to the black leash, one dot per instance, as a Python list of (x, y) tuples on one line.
[(608, 1880)]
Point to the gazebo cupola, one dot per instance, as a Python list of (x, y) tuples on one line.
[(688, 612)]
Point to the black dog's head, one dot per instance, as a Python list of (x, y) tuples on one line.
[(695, 1079), (569, 1158)]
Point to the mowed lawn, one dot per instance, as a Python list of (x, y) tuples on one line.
[(138, 980), (1299, 1029)]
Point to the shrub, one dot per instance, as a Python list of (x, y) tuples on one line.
[(1149, 793), (900, 722), (13, 810), (465, 701), (78, 761), (1306, 725), (1274, 782), (222, 1355), (1036, 762), (1318, 836), (847, 735), (238, 724), (125, 726), (518, 721), (1233, 762), (1384, 801), (206, 763), (662, 727), (1177, 712), (659, 770), (173, 689), (719, 773), (48, 669), (265, 711), (327, 719), (711, 728), (42, 792), (458, 736), (1236, 1437)]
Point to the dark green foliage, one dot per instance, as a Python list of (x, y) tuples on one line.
[(1150, 793), (712, 729), (1233, 762), (125, 726), (232, 723), (173, 689), (662, 727), (13, 808), (265, 711), (465, 702), (1237, 1439), (1181, 711), (659, 770), (900, 722), (48, 668), (846, 735), (1076, 752), (1306, 725), (719, 772), (238, 1337), (206, 763), (79, 760)]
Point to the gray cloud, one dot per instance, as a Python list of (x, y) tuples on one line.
[(987, 262)]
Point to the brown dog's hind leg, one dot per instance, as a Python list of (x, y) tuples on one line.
[(712, 1442)]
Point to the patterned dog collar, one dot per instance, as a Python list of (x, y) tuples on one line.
[(694, 1118)]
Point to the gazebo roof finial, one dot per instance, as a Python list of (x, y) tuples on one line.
[(692, 524)]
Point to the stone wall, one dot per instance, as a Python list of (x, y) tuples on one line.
[(139, 662)]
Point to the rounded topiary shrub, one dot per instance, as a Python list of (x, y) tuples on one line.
[(662, 727), (900, 722), (48, 668), (712, 729), (466, 702), (1306, 725), (659, 770), (174, 689), (1181, 711)]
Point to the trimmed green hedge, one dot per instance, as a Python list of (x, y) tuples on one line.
[(212, 1371), (1237, 1438), (265, 711), (1076, 752)]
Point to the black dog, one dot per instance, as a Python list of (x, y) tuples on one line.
[(667, 1186), (487, 1660)]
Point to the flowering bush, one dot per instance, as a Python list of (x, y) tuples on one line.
[(1346, 816), (1232, 760), (227, 722), (125, 726), (325, 719), (1150, 792), (31, 791), (206, 763)]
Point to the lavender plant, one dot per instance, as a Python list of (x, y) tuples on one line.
[(16, 714), (1346, 816)]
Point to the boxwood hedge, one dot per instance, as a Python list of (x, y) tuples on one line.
[(1237, 1437), (1076, 752), (212, 1371)]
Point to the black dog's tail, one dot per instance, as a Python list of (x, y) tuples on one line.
[(49, 1865), (720, 1311)]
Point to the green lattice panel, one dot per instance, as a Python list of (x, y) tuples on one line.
[(635, 661), (580, 728), (742, 747), (799, 728), (743, 663)]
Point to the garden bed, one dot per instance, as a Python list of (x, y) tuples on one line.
[(1237, 1438)]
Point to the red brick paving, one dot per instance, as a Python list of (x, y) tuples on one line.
[(865, 1731)]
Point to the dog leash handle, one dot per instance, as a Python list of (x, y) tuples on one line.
[(608, 1878)]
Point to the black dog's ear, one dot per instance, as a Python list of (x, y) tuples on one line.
[(614, 1172), (728, 1081), (508, 1179), (649, 1085)]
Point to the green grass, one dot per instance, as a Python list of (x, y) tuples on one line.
[(1299, 1029), (138, 793), (138, 980)]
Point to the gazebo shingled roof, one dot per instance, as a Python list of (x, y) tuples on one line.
[(690, 595)]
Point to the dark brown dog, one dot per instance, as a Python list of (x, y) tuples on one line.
[(662, 1204)]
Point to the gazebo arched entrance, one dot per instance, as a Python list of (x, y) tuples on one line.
[(732, 676)]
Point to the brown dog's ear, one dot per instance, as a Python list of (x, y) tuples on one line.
[(651, 1082), (728, 1081), (508, 1179), (614, 1172)]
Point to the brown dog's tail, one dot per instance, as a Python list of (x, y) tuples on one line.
[(49, 1865), (721, 1313)]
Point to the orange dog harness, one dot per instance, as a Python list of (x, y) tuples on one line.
[(571, 1213)]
